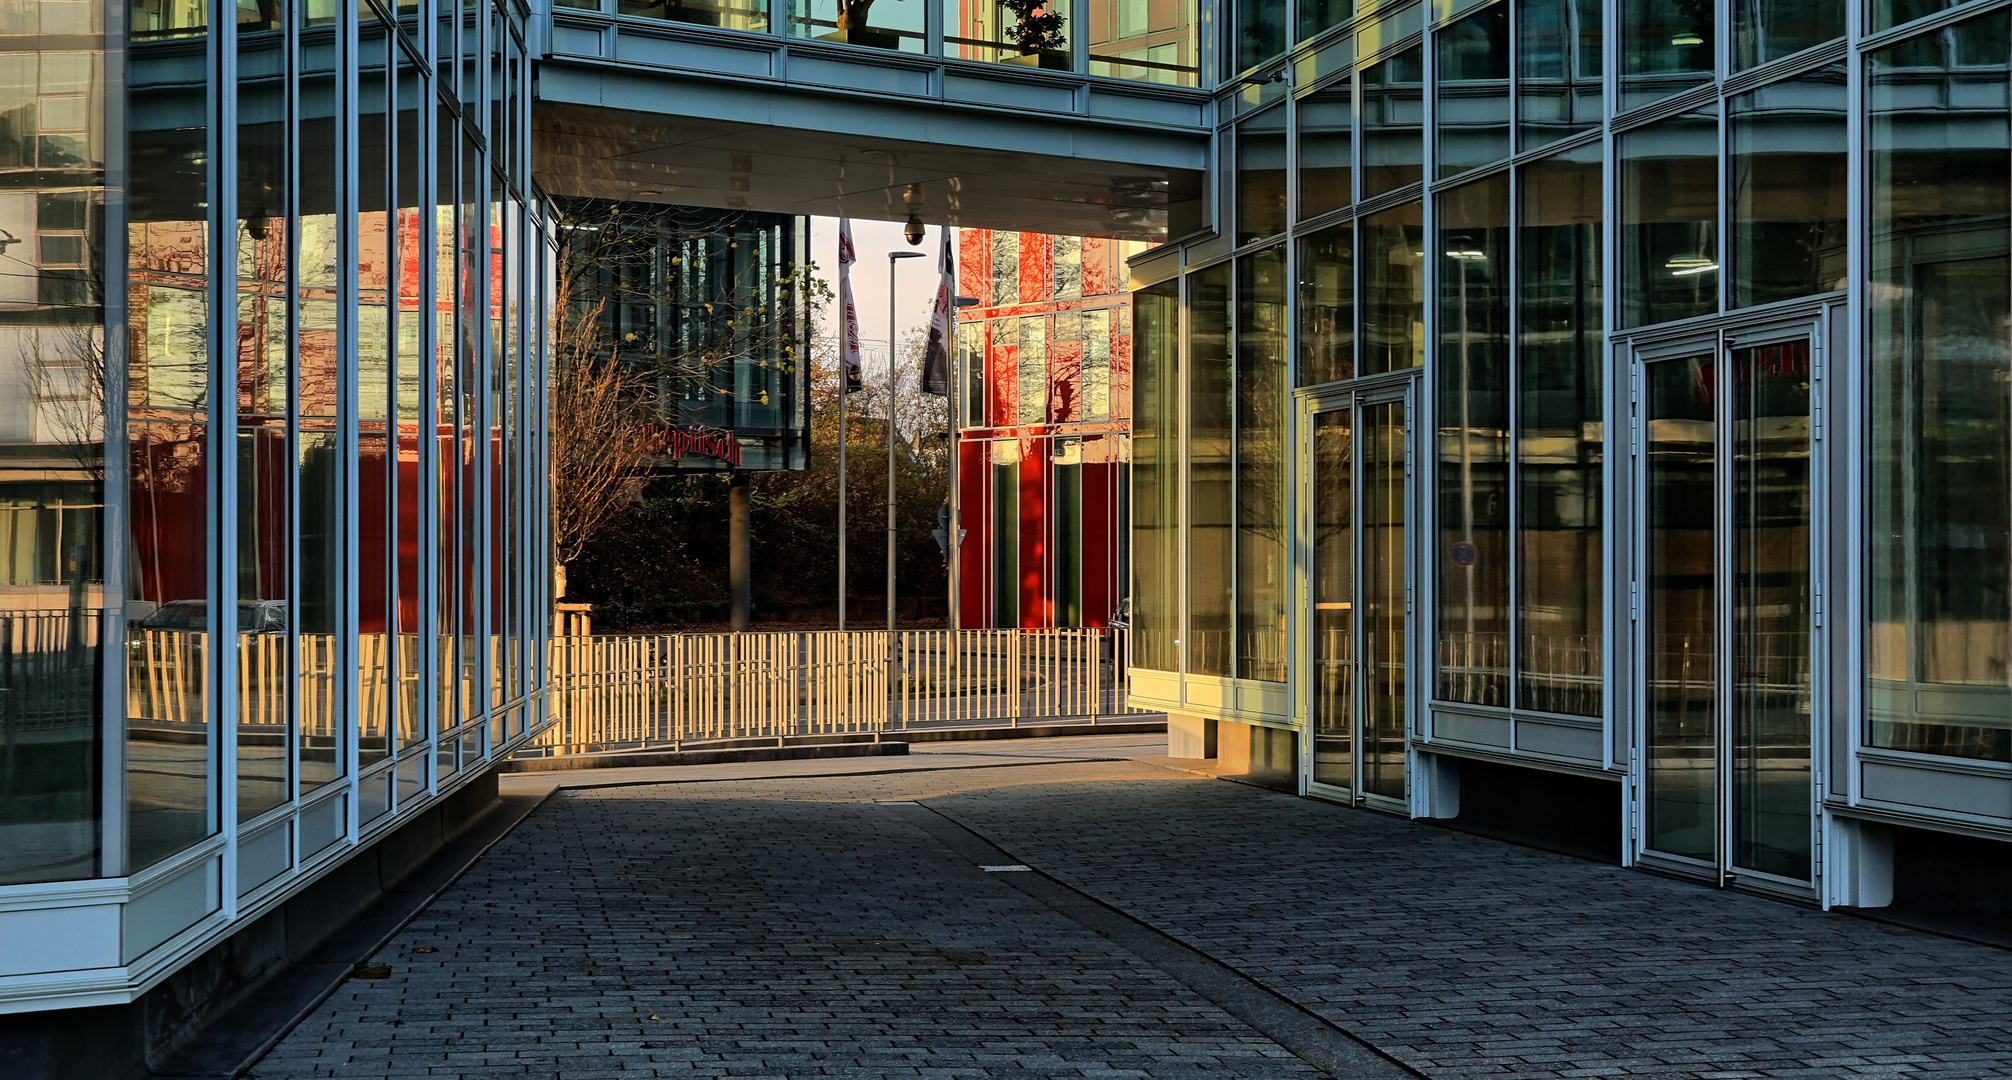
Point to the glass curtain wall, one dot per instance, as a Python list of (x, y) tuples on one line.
[(276, 278), (1474, 516), (1939, 594)]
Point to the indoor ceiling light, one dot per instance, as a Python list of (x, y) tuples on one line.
[(1689, 265)]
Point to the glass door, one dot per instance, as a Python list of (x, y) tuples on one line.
[(1726, 502), (1361, 595)]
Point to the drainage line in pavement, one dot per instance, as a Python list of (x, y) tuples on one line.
[(1305, 1033)]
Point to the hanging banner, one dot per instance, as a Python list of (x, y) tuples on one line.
[(848, 335), (942, 324)]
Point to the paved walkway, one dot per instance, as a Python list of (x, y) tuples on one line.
[(774, 920)]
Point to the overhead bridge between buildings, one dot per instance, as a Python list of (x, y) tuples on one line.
[(643, 111)]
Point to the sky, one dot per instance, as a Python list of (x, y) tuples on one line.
[(915, 279)]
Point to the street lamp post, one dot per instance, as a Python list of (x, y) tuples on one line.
[(892, 350)]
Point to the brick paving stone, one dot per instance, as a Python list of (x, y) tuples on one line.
[(790, 927)]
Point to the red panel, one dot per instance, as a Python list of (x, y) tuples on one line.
[(1099, 521), (169, 470), (1034, 592), (973, 511), (1036, 266), (373, 532), (974, 263), (410, 517)]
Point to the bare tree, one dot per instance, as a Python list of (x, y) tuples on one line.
[(596, 447)]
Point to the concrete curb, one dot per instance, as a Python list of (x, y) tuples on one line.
[(893, 742), (651, 758), (1035, 731)]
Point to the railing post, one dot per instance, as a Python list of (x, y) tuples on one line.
[(1016, 663)]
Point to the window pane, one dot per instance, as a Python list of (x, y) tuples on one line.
[(320, 756), (1326, 122), (1210, 410), (1558, 45), (1327, 305), (1393, 289), (992, 31), (1473, 476), (1938, 597), (1005, 268), (881, 26), (1261, 565), (1148, 40), (1665, 47), (1788, 172), (1260, 31), (1318, 15), (749, 15), (1473, 75), (1156, 476), (1887, 13), (409, 365), (1669, 219), (1006, 533), (54, 614), (317, 474), (1261, 176), (1393, 123), (168, 612), (1765, 30), (1559, 438), (264, 660)]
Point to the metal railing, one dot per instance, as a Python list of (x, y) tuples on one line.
[(623, 691)]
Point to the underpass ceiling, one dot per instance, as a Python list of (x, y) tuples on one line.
[(600, 152)]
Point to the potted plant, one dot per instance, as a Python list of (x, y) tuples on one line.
[(1038, 34)]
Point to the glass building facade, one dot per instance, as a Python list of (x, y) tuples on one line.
[(272, 540), (1610, 395), (1546, 397), (1043, 446)]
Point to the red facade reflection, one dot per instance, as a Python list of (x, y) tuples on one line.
[(1046, 363)]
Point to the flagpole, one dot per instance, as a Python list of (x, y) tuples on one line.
[(847, 341), (844, 393)]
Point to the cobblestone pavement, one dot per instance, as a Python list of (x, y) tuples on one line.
[(757, 926)]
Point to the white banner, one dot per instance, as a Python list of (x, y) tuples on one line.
[(848, 337)]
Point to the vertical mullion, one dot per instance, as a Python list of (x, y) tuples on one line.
[(426, 356), (290, 308), (1852, 535), (223, 703), (115, 532), (1184, 359), (1424, 410), (349, 361), (1512, 286), (1725, 599)]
